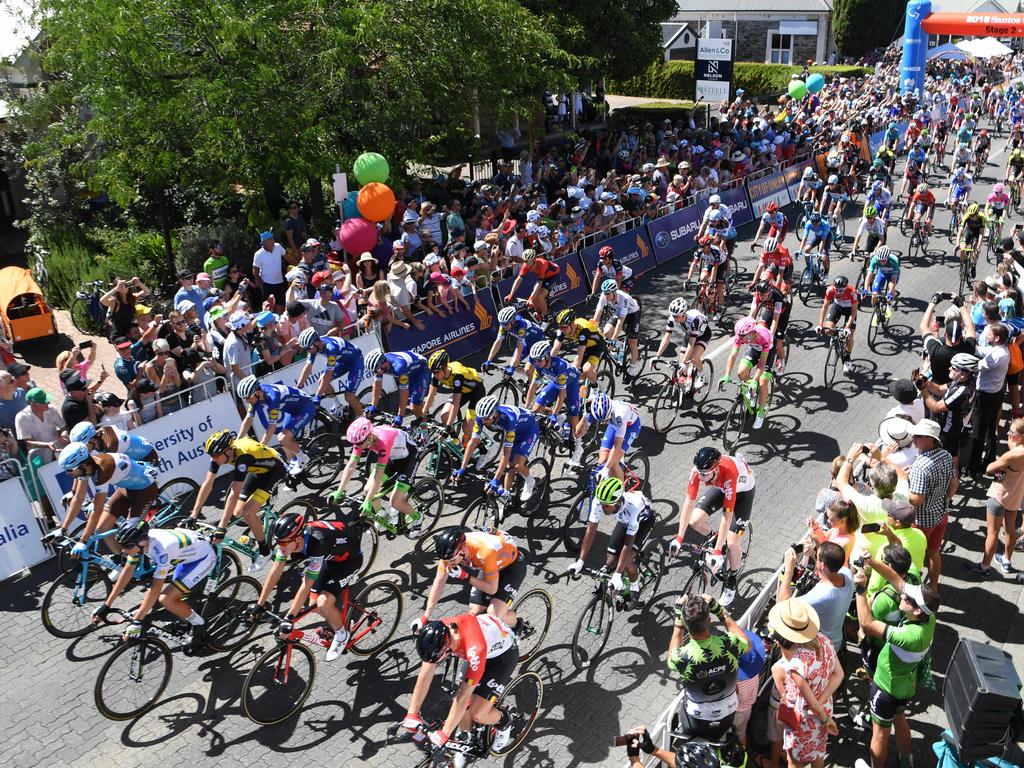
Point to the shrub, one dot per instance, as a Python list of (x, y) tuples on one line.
[(69, 265), (239, 244), (127, 253)]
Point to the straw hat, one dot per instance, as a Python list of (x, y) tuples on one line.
[(794, 620)]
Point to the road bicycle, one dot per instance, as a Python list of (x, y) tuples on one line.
[(919, 238), (440, 452), (968, 256), (954, 221), (88, 315), (594, 626), (1015, 197), (702, 580), (635, 471), (812, 276), (491, 509), (684, 386), (837, 352), (615, 360), (994, 240), (135, 675), (884, 306), (282, 678), (744, 407)]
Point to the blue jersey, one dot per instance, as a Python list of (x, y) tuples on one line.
[(406, 366), (917, 155), (525, 332), (337, 351), (560, 373), (133, 446), (822, 229), (280, 400), (128, 474), (512, 422)]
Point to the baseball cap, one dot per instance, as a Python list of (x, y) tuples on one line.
[(203, 276), (122, 343), (37, 395), (901, 511), (18, 369), (903, 390), (217, 312), (74, 383), (238, 320), (184, 274), (915, 593), (142, 309), (264, 236)]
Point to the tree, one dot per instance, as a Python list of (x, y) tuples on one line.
[(861, 25)]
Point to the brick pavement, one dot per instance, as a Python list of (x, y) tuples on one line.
[(199, 720)]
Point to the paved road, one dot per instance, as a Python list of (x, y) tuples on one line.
[(47, 683)]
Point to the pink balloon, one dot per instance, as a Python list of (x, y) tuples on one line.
[(357, 235)]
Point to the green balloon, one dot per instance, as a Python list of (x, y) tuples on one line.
[(797, 89), (370, 167)]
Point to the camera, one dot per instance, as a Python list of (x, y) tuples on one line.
[(858, 561), (798, 547)]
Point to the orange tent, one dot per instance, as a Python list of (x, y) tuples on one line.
[(23, 310)]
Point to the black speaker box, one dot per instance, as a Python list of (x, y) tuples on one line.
[(981, 698)]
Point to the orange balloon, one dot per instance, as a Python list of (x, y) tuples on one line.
[(376, 201)]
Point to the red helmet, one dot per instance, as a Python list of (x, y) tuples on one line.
[(705, 240), (984, 132), (772, 207), (606, 251)]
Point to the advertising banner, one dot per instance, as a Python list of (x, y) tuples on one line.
[(572, 285), (736, 200), (793, 174), (674, 234), (632, 248), (712, 71), (767, 189), (462, 334), (19, 531)]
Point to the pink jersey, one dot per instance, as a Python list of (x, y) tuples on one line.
[(387, 442), (763, 341), (998, 201)]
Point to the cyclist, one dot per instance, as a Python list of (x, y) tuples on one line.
[(921, 207), (773, 222), (625, 316), (180, 554), (881, 168), (695, 333), (333, 556), (518, 427), (621, 421), (395, 453), (717, 221), (774, 255), (996, 205), (713, 263), (257, 470), (488, 646), (583, 334), (833, 197), (891, 137), (756, 364), (118, 485), (610, 268), (1015, 166), (546, 272), (772, 308), (633, 522), (109, 439), (344, 363), (278, 407), (970, 234), (411, 374), (817, 234), (525, 332), (883, 273), (463, 383), (730, 487), (982, 145), (871, 228), (960, 183), (707, 664), (880, 197), (963, 155), (810, 186), (841, 300), (913, 173), (562, 388), (490, 561)]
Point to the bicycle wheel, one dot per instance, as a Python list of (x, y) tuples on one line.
[(554, 307), (803, 288), (574, 524), (175, 500), (326, 455), (506, 392), (534, 609), (641, 466), (82, 318), (304, 506), (667, 408), (522, 699), (965, 275), (592, 630), (832, 360), (652, 568), (606, 382), (702, 381), (482, 513), (132, 678), (540, 471), (69, 602), (427, 496), (224, 610), (746, 537), (734, 276), (279, 683), (735, 424), (369, 541), (374, 617), (229, 567), (434, 461), (877, 324)]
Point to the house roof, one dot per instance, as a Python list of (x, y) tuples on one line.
[(672, 32), (692, 8), (970, 6)]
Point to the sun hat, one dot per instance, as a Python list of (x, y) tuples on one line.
[(795, 620), (926, 428), (398, 270), (895, 430)]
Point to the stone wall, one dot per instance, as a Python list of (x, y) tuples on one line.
[(751, 36)]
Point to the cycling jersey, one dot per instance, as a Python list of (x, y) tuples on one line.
[(917, 155), (623, 416), (876, 227), (124, 472), (1017, 159), (281, 403), (974, 223), (561, 376), (890, 267), (584, 333), (461, 378), (542, 268), (481, 637), (526, 333), (324, 541), (846, 298), (487, 551), (343, 357), (732, 476), (837, 192), (718, 212), (251, 458), (389, 443), (924, 200), (776, 220), (614, 271), (622, 305), (517, 425), (879, 199), (997, 202), (776, 301), (822, 230), (132, 446), (694, 318), (763, 340), (708, 670), (634, 507), (408, 368), (173, 547), (780, 258), (712, 257)]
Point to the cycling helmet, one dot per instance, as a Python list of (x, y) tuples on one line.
[(506, 315), (220, 441), (841, 282), (697, 754), (359, 431), (540, 350), (131, 531), (609, 286), (438, 361), (288, 526), (529, 255), (566, 317), (883, 252), (771, 245), (448, 541), (72, 455), (923, 187), (432, 641), (833, 179), (870, 212), (744, 326), (707, 458), (308, 338), (999, 188), (764, 286), (609, 491), (973, 209), (772, 207), (815, 217), (705, 240), (82, 432), (600, 407), (984, 132), (876, 186), (374, 360), (247, 387), (487, 407), (844, 139), (808, 173), (715, 200), (964, 362), (678, 306), (605, 251), (877, 163)]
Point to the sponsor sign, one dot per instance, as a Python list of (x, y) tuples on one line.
[(632, 248), (712, 70), (793, 174), (767, 189), (19, 530), (735, 200), (571, 286), (462, 334), (674, 234)]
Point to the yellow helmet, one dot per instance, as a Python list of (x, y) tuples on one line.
[(973, 209)]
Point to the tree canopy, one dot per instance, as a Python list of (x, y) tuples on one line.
[(861, 25)]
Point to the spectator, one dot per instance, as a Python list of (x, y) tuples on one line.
[(516, 243), (345, 296), (430, 220), (954, 408), (188, 291), (842, 524), (908, 400), (294, 231), (176, 333), (883, 479), (403, 292), (831, 492), (163, 371), (831, 595), (806, 676), (957, 337), (991, 383), (77, 405), (40, 427), (455, 223), (75, 360), (217, 264), (895, 526), (112, 415), (237, 351), (147, 401), (121, 300), (412, 243), (885, 605), (294, 319), (1003, 503), (895, 443), (12, 400), (21, 372), (323, 313), (369, 274), (268, 270), (932, 483)]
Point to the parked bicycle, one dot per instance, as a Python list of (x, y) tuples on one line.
[(88, 315)]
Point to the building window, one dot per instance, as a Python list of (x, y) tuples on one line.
[(780, 48)]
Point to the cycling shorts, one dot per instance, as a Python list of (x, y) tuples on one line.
[(713, 500), (259, 486), (618, 536), (549, 283), (722, 274), (353, 372), (126, 503), (573, 405), (767, 315), (753, 357), (403, 469), (835, 312), (879, 282), (497, 674), (296, 422), (471, 398), (335, 577), (813, 238), (523, 445), (627, 439), (705, 338), (187, 575), (419, 382), (510, 579)]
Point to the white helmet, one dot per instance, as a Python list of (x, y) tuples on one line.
[(715, 200), (247, 387), (833, 179), (487, 407), (808, 173), (374, 360), (678, 306), (506, 315), (308, 338)]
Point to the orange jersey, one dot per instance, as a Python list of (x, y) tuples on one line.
[(488, 552)]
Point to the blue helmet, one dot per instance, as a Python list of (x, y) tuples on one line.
[(609, 285), (72, 455), (82, 432)]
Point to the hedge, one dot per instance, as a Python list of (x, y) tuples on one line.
[(674, 80)]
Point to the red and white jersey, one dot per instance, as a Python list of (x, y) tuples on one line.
[(846, 298), (732, 475), (481, 637)]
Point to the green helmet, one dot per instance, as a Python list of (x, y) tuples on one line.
[(609, 491)]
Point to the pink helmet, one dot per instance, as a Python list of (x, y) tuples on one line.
[(999, 188), (359, 430), (744, 326)]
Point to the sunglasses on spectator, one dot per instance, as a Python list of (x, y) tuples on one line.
[(781, 641), (911, 601), (177, 322), (161, 354)]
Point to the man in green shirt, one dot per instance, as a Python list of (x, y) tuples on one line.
[(897, 526), (216, 264), (885, 601), (905, 648)]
